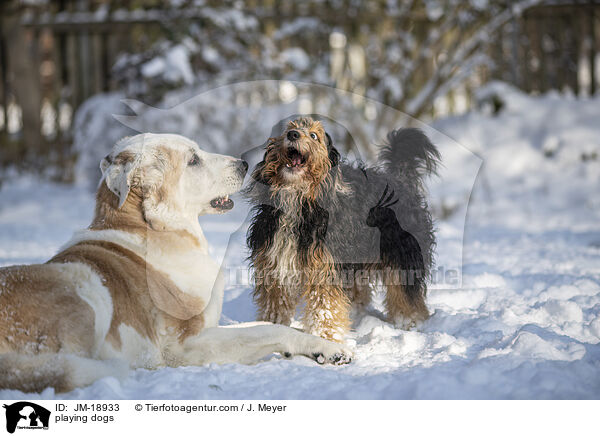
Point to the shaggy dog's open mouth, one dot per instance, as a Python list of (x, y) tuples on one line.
[(296, 159), (222, 203)]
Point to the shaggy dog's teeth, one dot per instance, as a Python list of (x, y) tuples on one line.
[(288, 165)]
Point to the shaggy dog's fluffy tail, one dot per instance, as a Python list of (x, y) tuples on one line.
[(63, 372), (409, 151)]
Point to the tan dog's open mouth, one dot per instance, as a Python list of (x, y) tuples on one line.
[(222, 203)]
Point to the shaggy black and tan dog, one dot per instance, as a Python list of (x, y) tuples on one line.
[(324, 232)]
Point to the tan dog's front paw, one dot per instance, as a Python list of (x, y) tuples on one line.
[(324, 351)]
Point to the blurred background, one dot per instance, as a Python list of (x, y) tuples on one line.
[(65, 62)]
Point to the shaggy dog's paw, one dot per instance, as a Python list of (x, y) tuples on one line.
[(405, 323), (409, 323)]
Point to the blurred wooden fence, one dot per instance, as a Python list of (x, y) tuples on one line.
[(53, 58), (551, 47)]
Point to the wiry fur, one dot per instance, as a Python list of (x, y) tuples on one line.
[(314, 232)]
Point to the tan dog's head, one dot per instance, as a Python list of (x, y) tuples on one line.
[(171, 177), (301, 157)]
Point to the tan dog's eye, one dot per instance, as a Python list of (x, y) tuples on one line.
[(195, 160), (314, 136)]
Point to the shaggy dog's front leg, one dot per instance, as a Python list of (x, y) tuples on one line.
[(327, 312), (275, 303)]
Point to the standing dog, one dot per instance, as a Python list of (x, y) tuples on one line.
[(322, 232), (137, 288)]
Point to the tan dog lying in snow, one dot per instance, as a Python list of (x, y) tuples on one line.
[(137, 288)]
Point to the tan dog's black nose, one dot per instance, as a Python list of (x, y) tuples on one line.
[(293, 135)]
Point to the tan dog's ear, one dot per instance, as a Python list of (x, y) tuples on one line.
[(118, 173)]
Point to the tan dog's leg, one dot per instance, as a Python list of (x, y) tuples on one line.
[(249, 342)]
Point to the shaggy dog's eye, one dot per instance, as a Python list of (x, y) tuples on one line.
[(314, 136), (195, 160)]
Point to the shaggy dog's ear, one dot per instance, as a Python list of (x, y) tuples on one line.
[(118, 172), (334, 155)]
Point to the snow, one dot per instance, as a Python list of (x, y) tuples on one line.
[(296, 58), (174, 65), (299, 24), (523, 324)]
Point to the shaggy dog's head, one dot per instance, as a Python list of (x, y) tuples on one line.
[(168, 178), (301, 159)]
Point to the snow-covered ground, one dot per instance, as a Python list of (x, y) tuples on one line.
[(524, 324)]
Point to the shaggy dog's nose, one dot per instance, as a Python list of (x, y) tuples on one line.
[(293, 135)]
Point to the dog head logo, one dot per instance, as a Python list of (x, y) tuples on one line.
[(26, 415)]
